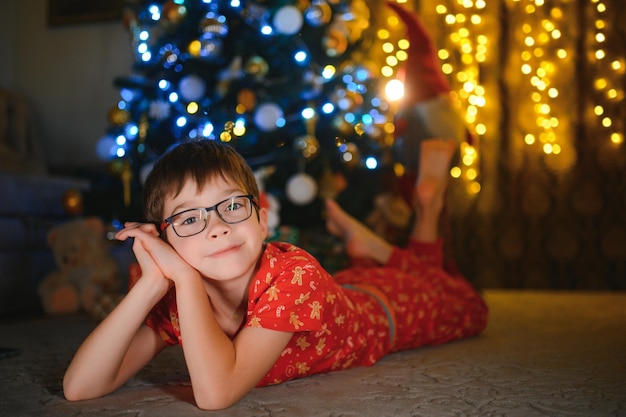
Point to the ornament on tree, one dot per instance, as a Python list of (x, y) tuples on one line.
[(247, 99), (173, 13), (159, 109), (350, 155), (257, 67), (213, 28), (301, 189), (267, 116), (318, 13), (308, 146), (335, 42), (287, 20), (211, 49), (191, 87), (213, 25)]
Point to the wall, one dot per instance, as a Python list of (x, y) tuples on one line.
[(67, 75)]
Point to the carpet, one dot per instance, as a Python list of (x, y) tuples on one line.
[(543, 354)]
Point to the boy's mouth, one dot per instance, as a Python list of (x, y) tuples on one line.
[(225, 251)]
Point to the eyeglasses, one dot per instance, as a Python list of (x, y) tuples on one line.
[(193, 221)]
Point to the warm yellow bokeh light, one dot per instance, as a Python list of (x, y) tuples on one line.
[(617, 138), (386, 71), (382, 34), (600, 83), (192, 107), (547, 148), (194, 48), (398, 169), (474, 188)]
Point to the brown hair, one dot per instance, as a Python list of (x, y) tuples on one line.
[(200, 161)]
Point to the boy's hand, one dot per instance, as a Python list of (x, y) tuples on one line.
[(149, 268), (158, 256)]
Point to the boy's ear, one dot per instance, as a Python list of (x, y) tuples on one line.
[(263, 221)]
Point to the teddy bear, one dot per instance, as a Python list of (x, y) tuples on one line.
[(87, 278)]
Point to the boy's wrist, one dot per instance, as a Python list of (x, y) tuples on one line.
[(152, 289)]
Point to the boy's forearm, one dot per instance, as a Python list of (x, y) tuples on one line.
[(98, 367), (209, 352)]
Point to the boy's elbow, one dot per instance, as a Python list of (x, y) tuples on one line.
[(214, 401), (74, 390), (71, 391), (213, 404)]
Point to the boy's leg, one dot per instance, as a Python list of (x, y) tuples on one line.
[(430, 188), (361, 242)]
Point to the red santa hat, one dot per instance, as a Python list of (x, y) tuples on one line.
[(423, 79)]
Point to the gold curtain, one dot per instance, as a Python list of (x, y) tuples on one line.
[(542, 204)]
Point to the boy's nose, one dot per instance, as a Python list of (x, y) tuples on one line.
[(216, 227)]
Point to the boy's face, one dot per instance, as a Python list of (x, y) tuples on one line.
[(221, 251)]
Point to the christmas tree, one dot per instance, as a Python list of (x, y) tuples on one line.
[(295, 87), (303, 90)]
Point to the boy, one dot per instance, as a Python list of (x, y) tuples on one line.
[(249, 313)]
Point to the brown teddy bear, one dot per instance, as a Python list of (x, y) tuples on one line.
[(88, 277)]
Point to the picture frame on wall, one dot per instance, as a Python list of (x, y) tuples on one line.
[(70, 12)]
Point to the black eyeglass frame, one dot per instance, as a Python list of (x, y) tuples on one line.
[(168, 221)]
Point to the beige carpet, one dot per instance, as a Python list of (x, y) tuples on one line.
[(543, 354)]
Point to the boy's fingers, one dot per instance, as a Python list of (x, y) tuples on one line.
[(149, 228), (130, 230)]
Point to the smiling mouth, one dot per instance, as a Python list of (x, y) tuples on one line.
[(225, 251)]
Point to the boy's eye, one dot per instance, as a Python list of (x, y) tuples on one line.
[(187, 219), (233, 205), (190, 220)]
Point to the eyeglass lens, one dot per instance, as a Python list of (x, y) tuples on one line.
[(232, 210)]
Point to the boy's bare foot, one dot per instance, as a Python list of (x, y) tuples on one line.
[(430, 188), (360, 241)]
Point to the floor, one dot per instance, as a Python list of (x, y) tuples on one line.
[(543, 354)]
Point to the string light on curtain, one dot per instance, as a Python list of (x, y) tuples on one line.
[(608, 74), (465, 50), (546, 66)]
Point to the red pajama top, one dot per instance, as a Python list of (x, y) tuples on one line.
[(342, 322)]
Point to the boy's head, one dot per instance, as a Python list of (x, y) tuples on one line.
[(198, 161)]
